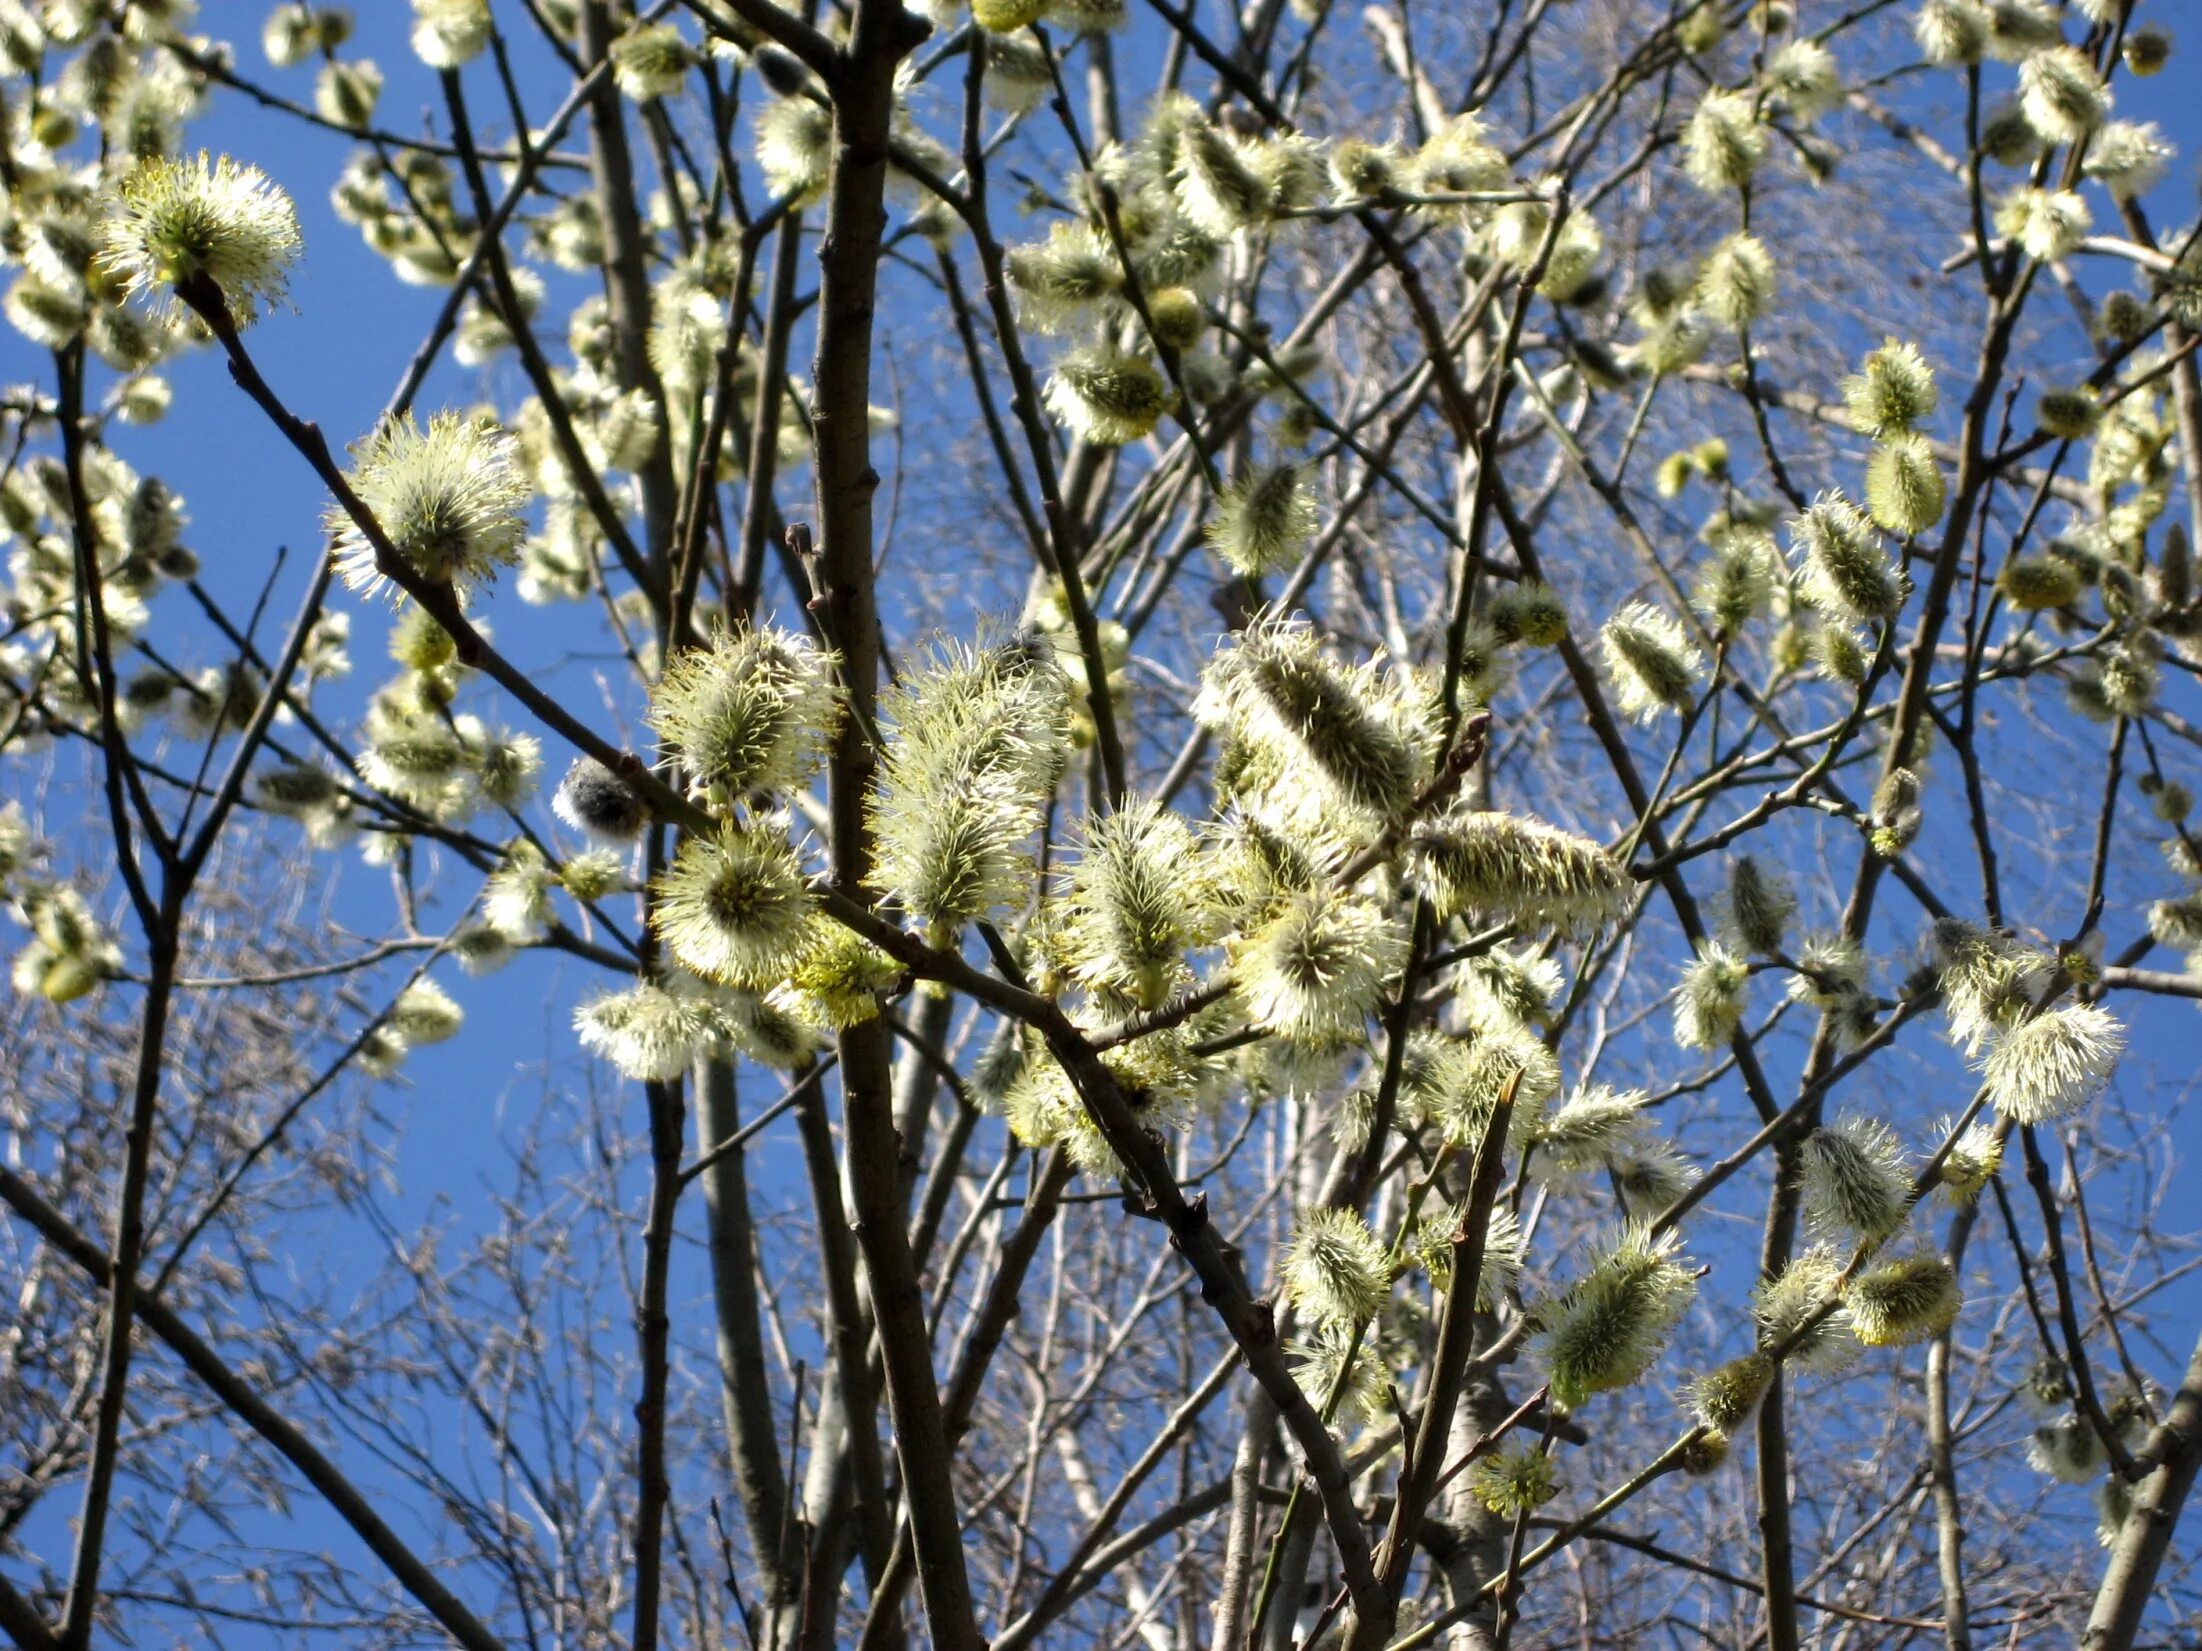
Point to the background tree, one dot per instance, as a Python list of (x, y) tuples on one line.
[(1377, 824)]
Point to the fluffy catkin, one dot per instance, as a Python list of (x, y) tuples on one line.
[(1604, 1332), (1505, 868)]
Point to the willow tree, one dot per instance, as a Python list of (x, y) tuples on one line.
[(1377, 833)]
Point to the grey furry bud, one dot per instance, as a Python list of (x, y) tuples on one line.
[(594, 800)]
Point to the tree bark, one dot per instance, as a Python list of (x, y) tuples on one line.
[(2138, 1553), (745, 1388), (863, 105)]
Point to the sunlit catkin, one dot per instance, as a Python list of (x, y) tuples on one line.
[(1854, 1181), (516, 896), (1737, 585), (1529, 614), (1334, 1270), (733, 908), (1362, 170), (1950, 31), (1831, 968), (1264, 520), (1595, 1128), (2051, 1065), (1484, 1069), (2177, 921), (1709, 1004), (1736, 283), (1726, 1397), (2048, 224), (1650, 1176), (979, 736), (178, 220), (794, 138), (1971, 1163), (1277, 687), (1894, 391), (1333, 1360), (1064, 279), (2019, 27), (1722, 143), (1796, 1309), (1319, 967), (1432, 1244), (447, 499), (593, 874), (1903, 1301), (2062, 95), (1904, 486), (1218, 187), (2067, 1448), (1504, 988), (651, 60), (1604, 1332), (450, 33), (1989, 981), (1505, 868), (1805, 75), (838, 978), (1514, 1480), (423, 1014), (1106, 396), (1846, 569), (750, 711), (651, 1034), (2128, 158), (1136, 904), (1652, 662), (2035, 583)]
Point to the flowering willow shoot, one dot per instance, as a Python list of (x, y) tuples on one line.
[(446, 500), (1020, 823)]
